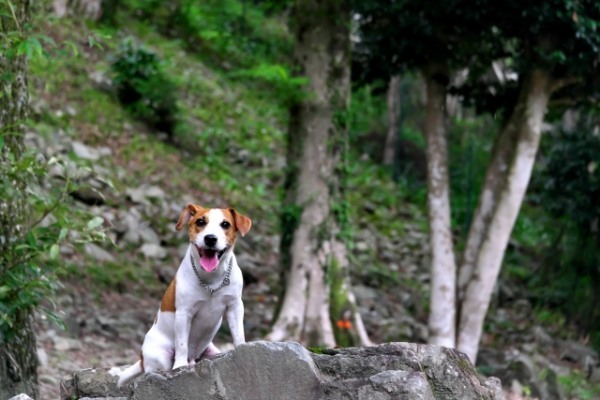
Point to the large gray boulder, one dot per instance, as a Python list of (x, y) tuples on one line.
[(265, 370)]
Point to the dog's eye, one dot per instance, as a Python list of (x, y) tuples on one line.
[(201, 222), (225, 225)]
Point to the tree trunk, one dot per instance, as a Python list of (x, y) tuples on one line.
[(503, 153), (313, 213), (501, 199), (18, 356), (393, 112), (443, 266)]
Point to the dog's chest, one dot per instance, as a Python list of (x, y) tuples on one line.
[(211, 306), (207, 316)]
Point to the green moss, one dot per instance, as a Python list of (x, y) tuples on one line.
[(317, 350), (340, 308)]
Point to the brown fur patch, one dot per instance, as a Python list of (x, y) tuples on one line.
[(231, 233), (202, 213), (241, 222), (142, 361), (168, 300)]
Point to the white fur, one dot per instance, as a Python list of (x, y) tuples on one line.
[(180, 338)]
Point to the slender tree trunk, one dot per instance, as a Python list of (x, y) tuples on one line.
[(18, 356), (313, 213), (393, 112), (503, 153), (500, 204), (443, 267)]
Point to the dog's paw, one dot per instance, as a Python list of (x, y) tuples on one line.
[(180, 364)]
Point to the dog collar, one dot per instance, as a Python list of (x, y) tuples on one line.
[(224, 283)]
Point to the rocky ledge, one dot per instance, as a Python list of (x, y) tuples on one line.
[(265, 370)]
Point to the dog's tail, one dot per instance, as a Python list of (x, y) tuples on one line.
[(130, 373)]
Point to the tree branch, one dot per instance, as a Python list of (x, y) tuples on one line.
[(564, 82)]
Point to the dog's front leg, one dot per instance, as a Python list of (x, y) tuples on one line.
[(235, 320), (183, 321)]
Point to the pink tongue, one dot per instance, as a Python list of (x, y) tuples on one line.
[(209, 263)]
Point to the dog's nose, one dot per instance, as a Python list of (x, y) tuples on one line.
[(210, 240)]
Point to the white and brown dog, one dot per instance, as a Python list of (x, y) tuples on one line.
[(207, 286)]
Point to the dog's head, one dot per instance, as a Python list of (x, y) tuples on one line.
[(213, 231)]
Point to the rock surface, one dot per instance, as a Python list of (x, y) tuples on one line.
[(265, 370)]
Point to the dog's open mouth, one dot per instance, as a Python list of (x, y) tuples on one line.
[(209, 259)]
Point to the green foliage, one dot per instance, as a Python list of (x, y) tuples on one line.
[(340, 308), (576, 386), (366, 114), (289, 221), (469, 153), (317, 350), (144, 88), (28, 276), (288, 88), (569, 188), (231, 32), (571, 177)]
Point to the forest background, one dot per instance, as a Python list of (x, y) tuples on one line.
[(137, 107)]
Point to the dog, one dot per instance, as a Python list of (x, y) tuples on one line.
[(206, 287)]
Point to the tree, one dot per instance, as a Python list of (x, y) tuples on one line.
[(317, 306), (393, 114), (554, 48), (569, 188), (557, 49), (18, 356), (443, 265), (440, 42)]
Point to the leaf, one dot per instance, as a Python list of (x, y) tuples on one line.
[(95, 222), (62, 234), (4, 290), (54, 251), (1, 142), (71, 45)]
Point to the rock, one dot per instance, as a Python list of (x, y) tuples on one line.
[(265, 370), (101, 80), (89, 193), (135, 229), (66, 344), (103, 398), (21, 396), (42, 357), (143, 193), (153, 250), (578, 353), (89, 153), (92, 383), (518, 370), (595, 376), (98, 253)]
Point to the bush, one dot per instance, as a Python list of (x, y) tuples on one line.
[(144, 88), (227, 33), (30, 262), (570, 191)]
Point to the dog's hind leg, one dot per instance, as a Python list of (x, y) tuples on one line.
[(130, 373), (211, 350)]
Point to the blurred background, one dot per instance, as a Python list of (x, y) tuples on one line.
[(138, 107)]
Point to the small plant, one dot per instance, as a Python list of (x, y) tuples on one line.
[(576, 386), (30, 261), (287, 87), (144, 88)]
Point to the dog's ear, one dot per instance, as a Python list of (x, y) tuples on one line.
[(242, 223), (188, 212)]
